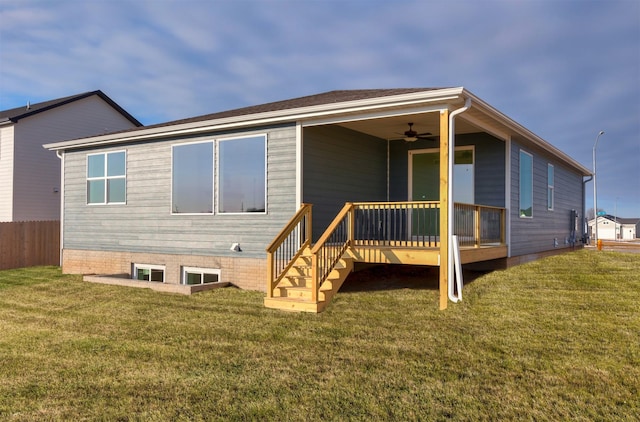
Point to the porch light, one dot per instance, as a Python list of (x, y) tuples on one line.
[(411, 138)]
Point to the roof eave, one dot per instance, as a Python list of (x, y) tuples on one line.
[(271, 117), (526, 133)]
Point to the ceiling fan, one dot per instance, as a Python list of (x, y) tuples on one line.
[(412, 136)]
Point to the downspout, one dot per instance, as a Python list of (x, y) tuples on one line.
[(60, 155), (585, 223), (452, 135)]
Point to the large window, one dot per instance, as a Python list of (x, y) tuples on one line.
[(550, 186), (526, 184), (107, 178), (242, 175), (192, 179)]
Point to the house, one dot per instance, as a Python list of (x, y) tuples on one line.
[(611, 227), (29, 175), (322, 182)]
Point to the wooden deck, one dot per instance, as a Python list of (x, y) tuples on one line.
[(304, 277)]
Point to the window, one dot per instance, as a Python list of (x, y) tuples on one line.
[(144, 272), (192, 275), (192, 179), (550, 185), (526, 184), (242, 175), (107, 178), (463, 180)]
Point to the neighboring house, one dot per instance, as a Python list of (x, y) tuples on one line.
[(30, 175), (615, 228), (322, 182)]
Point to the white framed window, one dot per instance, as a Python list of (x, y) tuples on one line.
[(550, 186), (107, 178), (195, 275), (526, 184), (192, 178), (242, 175), (148, 272)]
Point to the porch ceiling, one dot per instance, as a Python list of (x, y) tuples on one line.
[(393, 127)]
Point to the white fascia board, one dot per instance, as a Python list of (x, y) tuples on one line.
[(272, 117), (526, 133)]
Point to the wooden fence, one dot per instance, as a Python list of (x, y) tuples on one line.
[(29, 243)]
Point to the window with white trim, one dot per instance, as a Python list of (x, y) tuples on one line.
[(147, 272), (194, 275), (526, 184), (192, 178), (550, 186), (242, 175), (107, 178)]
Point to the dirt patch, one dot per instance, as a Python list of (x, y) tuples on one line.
[(392, 277)]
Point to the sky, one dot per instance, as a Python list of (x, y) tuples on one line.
[(564, 69)]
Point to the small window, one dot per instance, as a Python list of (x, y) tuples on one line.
[(192, 275), (107, 178), (242, 175), (145, 272), (526, 184), (550, 186)]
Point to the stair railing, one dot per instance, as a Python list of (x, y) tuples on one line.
[(287, 246), (331, 246)]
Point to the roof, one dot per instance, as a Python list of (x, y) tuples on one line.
[(620, 220), (18, 113), (341, 103)]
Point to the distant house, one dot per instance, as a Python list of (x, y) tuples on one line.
[(30, 175), (320, 182), (611, 227)]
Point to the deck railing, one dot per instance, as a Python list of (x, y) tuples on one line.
[(288, 246), (330, 247), (478, 225), (397, 224)]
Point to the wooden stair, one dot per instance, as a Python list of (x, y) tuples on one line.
[(294, 292)]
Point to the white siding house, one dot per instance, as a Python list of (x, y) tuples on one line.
[(29, 174), (615, 228)]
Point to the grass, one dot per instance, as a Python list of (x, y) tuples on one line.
[(556, 339)]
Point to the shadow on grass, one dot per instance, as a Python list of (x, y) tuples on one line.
[(396, 277)]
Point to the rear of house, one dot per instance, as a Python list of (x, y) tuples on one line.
[(196, 202)]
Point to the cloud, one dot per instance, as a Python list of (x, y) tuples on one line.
[(565, 70)]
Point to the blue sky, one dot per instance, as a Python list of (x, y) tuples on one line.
[(565, 69)]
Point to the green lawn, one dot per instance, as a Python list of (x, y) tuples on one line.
[(556, 339)]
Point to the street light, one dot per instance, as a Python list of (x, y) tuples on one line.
[(595, 192)]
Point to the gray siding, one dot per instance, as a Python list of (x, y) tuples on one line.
[(489, 178), (145, 223), (537, 234), (341, 165)]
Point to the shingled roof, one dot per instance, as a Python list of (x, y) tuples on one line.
[(18, 113), (330, 97)]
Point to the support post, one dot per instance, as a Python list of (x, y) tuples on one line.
[(444, 208)]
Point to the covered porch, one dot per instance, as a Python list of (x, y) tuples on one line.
[(385, 194)]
